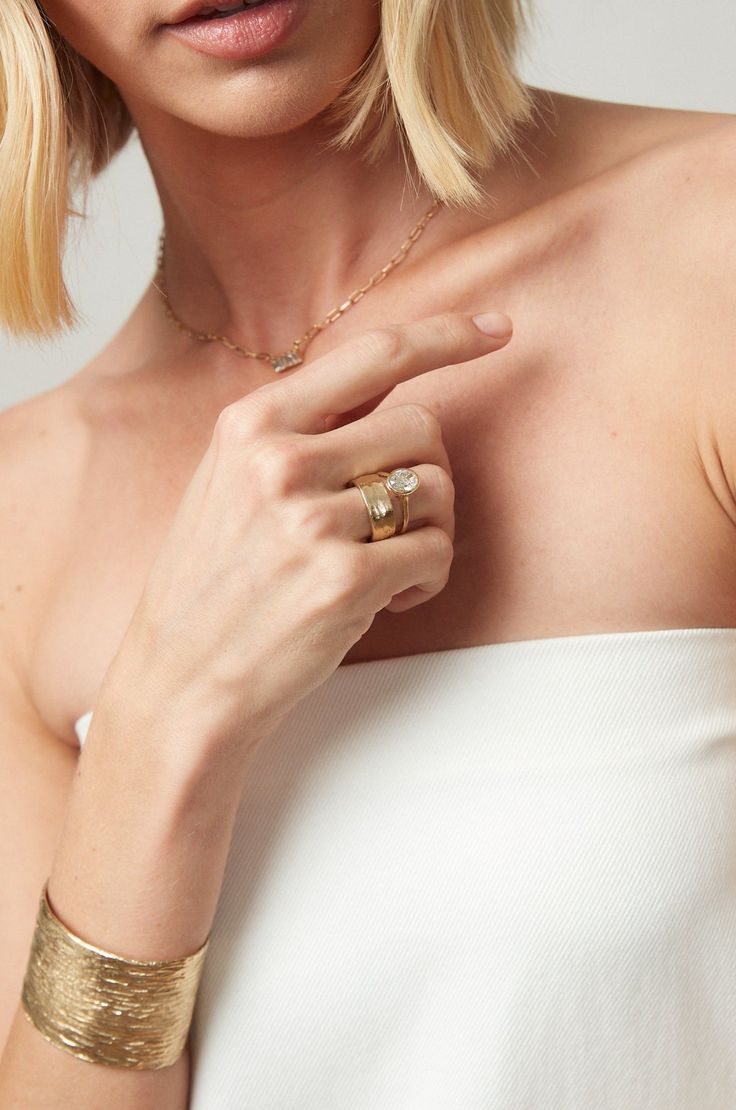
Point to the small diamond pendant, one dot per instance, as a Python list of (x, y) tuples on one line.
[(283, 362)]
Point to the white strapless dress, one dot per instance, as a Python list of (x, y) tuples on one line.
[(490, 878)]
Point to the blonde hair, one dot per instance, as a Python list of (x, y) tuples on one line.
[(441, 74)]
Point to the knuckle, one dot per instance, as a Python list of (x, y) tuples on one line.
[(300, 453), (442, 546), (278, 466), (232, 423), (385, 344), (263, 408), (443, 485), (245, 418), (264, 404), (452, 328), (424, 419)]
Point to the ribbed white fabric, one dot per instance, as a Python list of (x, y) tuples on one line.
[(490, 878)]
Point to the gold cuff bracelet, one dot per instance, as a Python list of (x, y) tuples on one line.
[(104, 1008)]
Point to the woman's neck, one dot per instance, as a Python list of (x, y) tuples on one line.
[(265, 236)]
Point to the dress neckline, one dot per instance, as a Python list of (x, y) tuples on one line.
[(537, 643)]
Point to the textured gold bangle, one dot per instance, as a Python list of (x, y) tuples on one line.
[(104, 1008)]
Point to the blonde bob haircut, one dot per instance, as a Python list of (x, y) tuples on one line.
[(441, 73)]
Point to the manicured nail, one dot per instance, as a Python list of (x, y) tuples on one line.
[(497, 324)]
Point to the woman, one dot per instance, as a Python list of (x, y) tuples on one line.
[(445, 821)]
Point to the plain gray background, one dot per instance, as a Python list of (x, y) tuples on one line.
[(668, 53)]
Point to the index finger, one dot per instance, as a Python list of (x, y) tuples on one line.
[(372, 363)]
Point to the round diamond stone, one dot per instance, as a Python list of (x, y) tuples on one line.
[(403, 480)]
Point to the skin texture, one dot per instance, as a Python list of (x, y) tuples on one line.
[(592, 457)]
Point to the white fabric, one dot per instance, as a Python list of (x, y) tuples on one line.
[(490, 878)]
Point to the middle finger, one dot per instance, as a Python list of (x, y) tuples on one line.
[(382, 440)]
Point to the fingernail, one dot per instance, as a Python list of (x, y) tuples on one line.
[(497, 324)]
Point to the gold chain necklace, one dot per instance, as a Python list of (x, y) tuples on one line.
[(293, 356)]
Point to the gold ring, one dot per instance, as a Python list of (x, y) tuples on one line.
[(379, 505), (402, 481)]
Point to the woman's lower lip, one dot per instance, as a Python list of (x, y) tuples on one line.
[(245, 34)]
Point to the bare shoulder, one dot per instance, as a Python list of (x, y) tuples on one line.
[(672, 206), (597, 134), (699, 262), (665, 175), (660, 169), (655, 191), (660, 181), (673, 177), (693, 155)]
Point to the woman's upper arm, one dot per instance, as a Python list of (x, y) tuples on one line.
[(36, 770)]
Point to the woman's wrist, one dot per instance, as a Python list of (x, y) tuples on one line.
[(139, 862), (174, 725)]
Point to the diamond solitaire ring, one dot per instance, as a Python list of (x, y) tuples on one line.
[(402, 481)]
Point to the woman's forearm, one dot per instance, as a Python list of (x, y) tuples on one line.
[(137, 872)]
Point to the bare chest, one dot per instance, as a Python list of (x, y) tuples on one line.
[(581, 503)]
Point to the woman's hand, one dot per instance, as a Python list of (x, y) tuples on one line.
[(265, 579), (261, 585)]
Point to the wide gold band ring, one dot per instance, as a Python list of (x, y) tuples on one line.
[(375, 487), (378, 503)]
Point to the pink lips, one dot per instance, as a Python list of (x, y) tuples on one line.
[(245, 34)]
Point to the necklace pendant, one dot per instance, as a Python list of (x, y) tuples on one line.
[(283, 362)]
